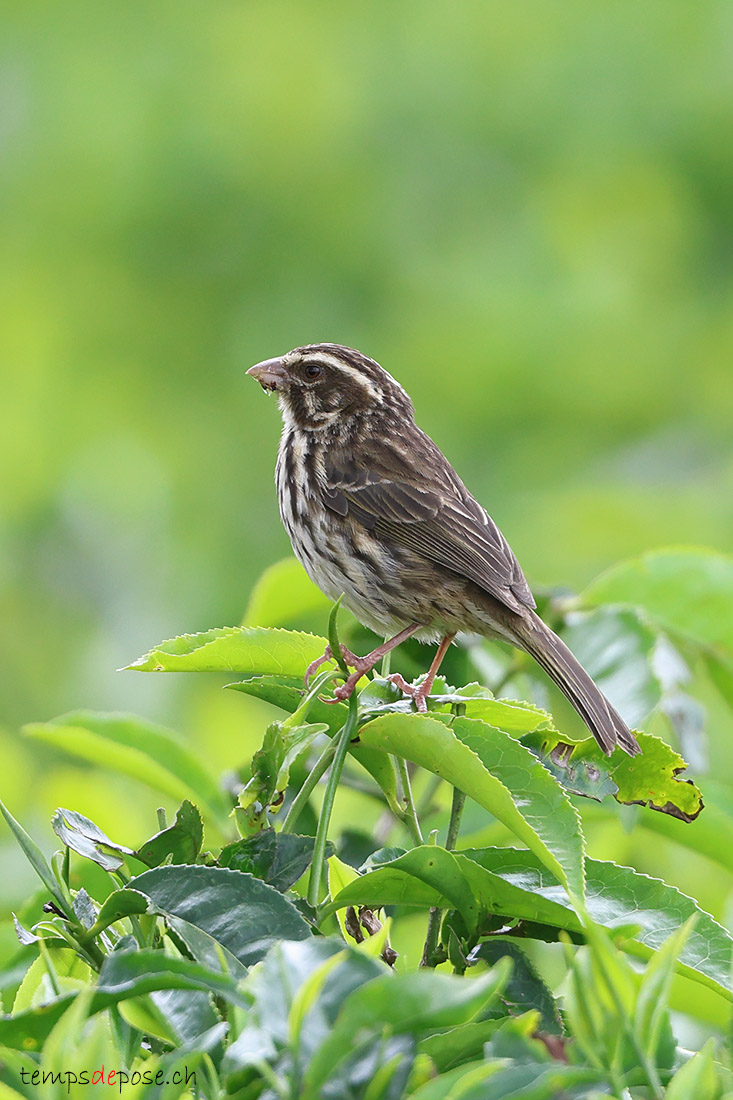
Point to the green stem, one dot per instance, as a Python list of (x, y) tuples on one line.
[(410, 817), (459, 801), (347, 731), (431, 956), (386, 663), (298, 804)]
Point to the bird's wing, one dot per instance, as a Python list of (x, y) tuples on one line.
[(426, 508)]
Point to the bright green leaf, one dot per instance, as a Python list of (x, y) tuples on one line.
[(649, 779), (36, 859), (547, 822), (696, 1078), (252, 651)]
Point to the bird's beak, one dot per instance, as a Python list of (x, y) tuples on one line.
[(270, 374)]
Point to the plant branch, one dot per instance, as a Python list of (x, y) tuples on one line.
[(410, 817), (431, 955), (314, 777), (347, 731)]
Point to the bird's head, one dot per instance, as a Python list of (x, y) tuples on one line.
[(320, 385)]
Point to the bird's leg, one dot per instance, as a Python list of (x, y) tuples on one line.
[(361, 665), (421, 692)]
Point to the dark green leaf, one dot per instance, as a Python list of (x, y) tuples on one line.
[(180, 842), (430, 876), (243, 914), (620, 897), (122, 903), (406, 1004), (277, 858), (617, 897), (123, 975), (525, 989)]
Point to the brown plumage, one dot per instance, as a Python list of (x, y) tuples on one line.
[(375, 511)]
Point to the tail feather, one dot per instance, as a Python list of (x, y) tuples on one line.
[(566, 671)]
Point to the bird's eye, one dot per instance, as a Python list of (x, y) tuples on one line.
[(311, 371)]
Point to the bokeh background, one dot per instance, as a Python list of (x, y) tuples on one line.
[(525, 212)]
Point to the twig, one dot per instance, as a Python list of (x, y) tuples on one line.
[(410, 818), (431, 956), (347, 731), (298, 804)]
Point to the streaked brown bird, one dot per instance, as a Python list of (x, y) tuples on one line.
[(375, 511)]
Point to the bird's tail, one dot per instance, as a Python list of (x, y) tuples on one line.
[(565, 670)]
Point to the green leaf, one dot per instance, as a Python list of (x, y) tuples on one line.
[(649, 779), (253, 651), (525, 989), (138, 748), (36, 859), (500, 774), (457, 1045), (180, 842), (405, 1004), (431, 876), (241, 913), (277, 858), (651, 1011), (288, 692), (696, 1078), (87, 839), (620, 898), (122, 903), (687, 590), (283, 595), (466, 1081), (505, 714), (517, 885)]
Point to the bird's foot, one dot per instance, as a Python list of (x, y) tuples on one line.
[(419, 693), (361, 666), (327, 655)]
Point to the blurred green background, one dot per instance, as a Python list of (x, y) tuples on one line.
[(524, 212)]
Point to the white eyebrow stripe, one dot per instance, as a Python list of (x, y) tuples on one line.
[(353, 372)]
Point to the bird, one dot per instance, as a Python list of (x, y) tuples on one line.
[(377, 515)]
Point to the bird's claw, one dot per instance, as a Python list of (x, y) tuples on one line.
[(313, 667), (418, 693), (361, 665)]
